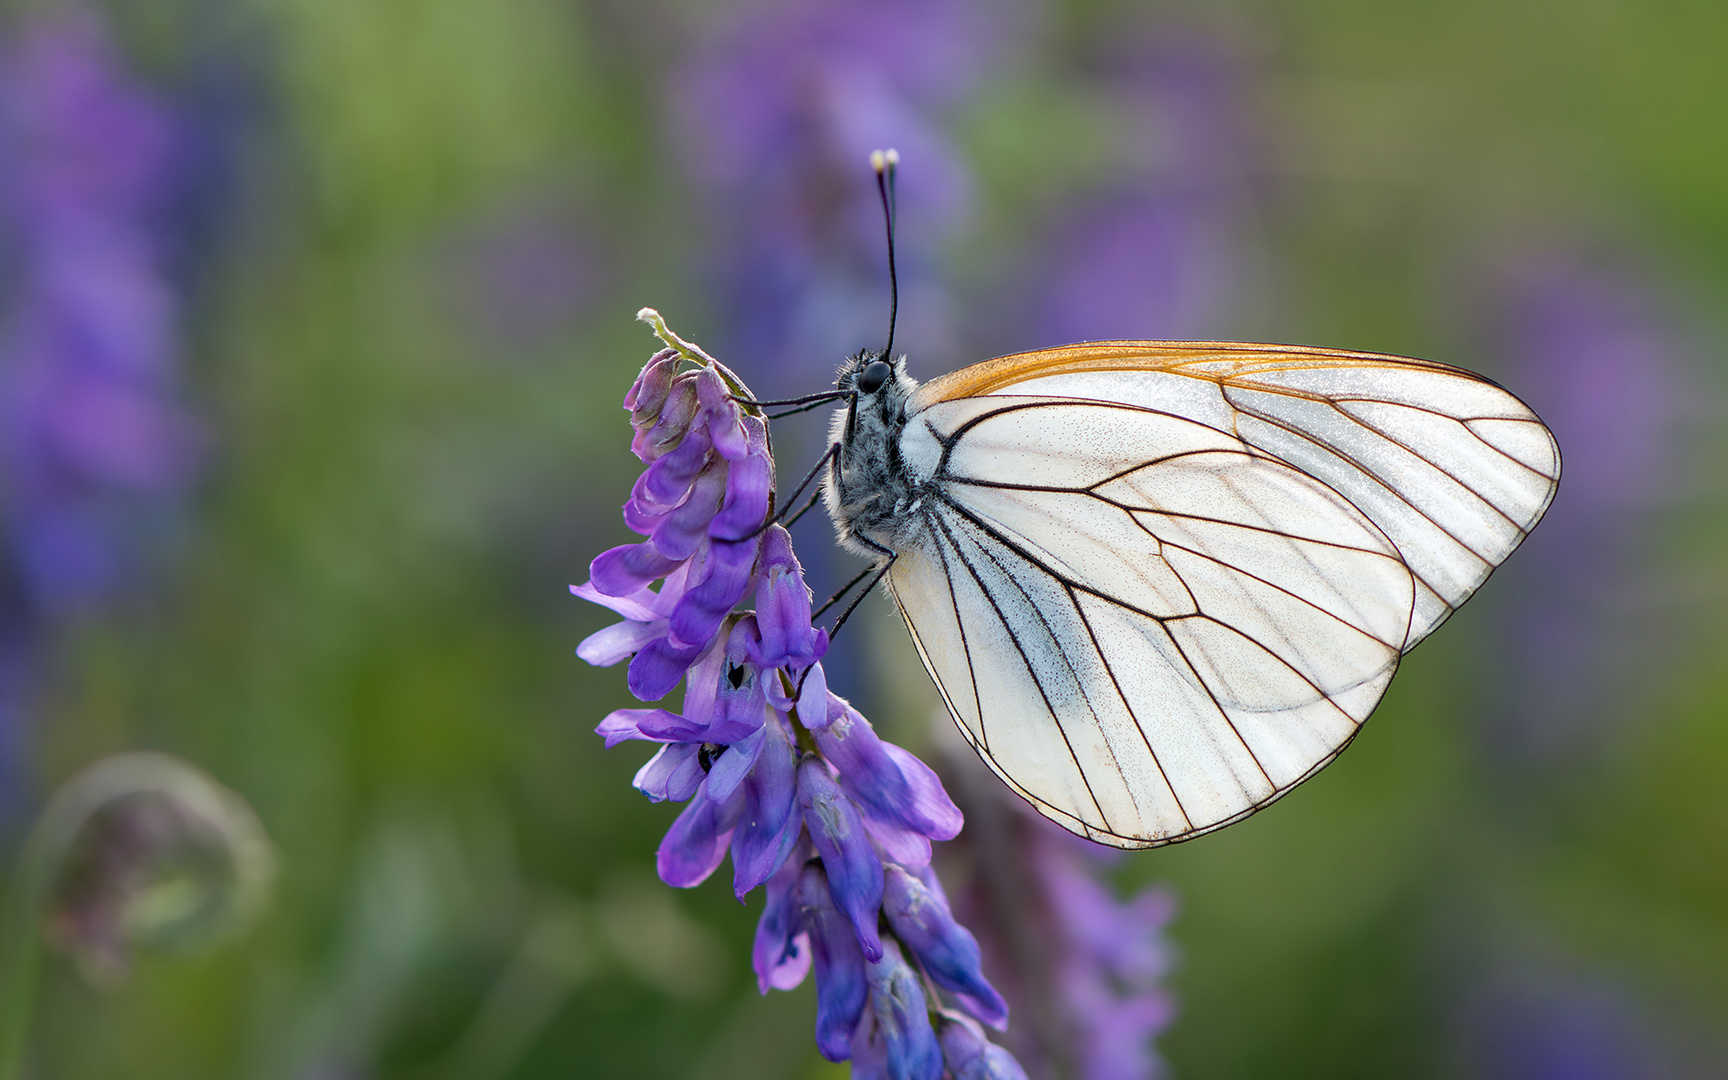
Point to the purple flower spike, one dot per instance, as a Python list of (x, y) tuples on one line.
[(854, 868), (696, 842), (902, 1019), (841, 990), (919, 916), (781, 953), (969, 1055), (769, 829), (891, 785), (814, 824)]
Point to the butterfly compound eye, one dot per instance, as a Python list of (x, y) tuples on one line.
[(870, 380)]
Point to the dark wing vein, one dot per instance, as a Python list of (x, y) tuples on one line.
[(1441, 469), (1376, 478), (1031, 671), (1128, 705), (965, 643)]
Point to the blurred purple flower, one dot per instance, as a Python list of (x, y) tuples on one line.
[(1158, 253), (777, 112), (1082, 970), (1536, 1023), (1590, 351), (92, 426), (787, 777)]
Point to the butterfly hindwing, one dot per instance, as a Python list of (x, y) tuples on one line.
[(1146, 626)]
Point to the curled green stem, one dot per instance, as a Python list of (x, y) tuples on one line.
[(55, 835)]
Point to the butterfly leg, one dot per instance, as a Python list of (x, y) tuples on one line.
[(875, 573)]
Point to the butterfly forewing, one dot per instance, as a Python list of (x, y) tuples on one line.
[(1452, 468), (1160, 584)]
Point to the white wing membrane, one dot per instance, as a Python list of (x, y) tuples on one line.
[(1454, 470), (1151, 649)]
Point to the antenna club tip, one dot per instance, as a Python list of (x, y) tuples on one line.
[(883, 160)]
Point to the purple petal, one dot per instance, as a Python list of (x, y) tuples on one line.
[(771, 825), (606, 647), (837, 707), (781, 953), (656, 669), (783, 605), (739, 696), (930, 810), (637, 607), (663, 726), (969, 1055), (673, 424), (746, 503), (719, 577), (681, 530), (903, 1017), (898, 845), (640, 519), (673, 774), (702, 688), (648, 394), (854, 869), (665, 483), (734, 763), (813, 695), (622, 724), (921, 919), (841, 989), (869, 1051), (891, 784), (696, 842), (627, 570), (723, 415)]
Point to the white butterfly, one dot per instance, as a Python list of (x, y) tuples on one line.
[(1159, 584)]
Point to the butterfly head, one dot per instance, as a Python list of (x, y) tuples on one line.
[(866, 372), (874, 387)]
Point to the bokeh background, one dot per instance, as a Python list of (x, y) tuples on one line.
[(315, 316)]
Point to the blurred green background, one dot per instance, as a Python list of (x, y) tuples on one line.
[(403, 245)]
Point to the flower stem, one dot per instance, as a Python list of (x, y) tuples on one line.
[(694, 353)]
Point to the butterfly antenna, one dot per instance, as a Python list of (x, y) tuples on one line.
[(886, 163)]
